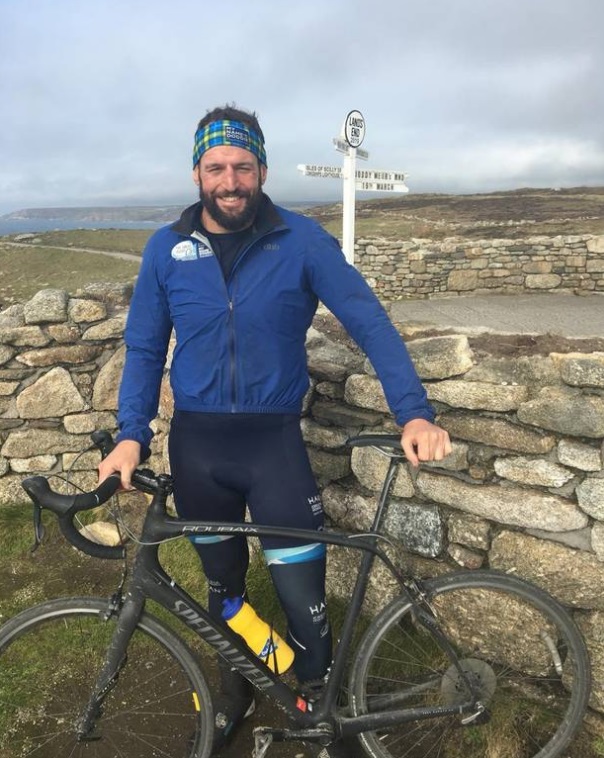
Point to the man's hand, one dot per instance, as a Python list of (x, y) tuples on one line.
[(424, 441), (124, 458)]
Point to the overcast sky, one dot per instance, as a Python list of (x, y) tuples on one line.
[(100, 98)]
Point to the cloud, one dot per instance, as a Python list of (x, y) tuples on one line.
[(100, 100)]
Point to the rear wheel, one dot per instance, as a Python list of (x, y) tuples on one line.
[(519, 647), (50, 656)]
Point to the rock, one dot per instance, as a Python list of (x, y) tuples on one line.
[(462, 280), (590, 496), (441, 357), (533, 471), (578, 539), (572, 576), (469, 531), (106, 292), (86, 311), (469, 559), (370, 467), (323, 436), (31, 442), (348, 508), (596, 244), (6, 353), (86, 423), (343, 415), (11, 491), (23, 336), (366, 392), (579, 455), (51, 356), (566, 411), (328, 466), (505, 505), (46, 306), (417, 526), (113, 328), (496, 432), (102, 532), (106, 386), (597, 540), (39, 463), (329, 360), (581, 370), (542, 281), (53, 394), (12, 316), (478, 395), (457, 460)]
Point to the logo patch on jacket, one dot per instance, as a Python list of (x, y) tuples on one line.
[(187, 250)]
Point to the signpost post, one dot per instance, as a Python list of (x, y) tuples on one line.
[(354, 134), (364, 180)]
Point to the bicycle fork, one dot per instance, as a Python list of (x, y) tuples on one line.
[(128, 614)]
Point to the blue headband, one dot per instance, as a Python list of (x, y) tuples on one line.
[(225, 132)]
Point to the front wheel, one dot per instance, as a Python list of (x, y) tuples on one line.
[(50, 656), (521, 650)]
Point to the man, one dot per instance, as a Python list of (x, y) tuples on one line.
[(239, 280)]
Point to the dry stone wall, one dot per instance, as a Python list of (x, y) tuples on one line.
[(427, 268), (522, 491)]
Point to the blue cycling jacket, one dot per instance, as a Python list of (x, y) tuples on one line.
[(240, 344)]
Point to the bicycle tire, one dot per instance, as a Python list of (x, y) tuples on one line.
[(50, 655), (511, 637)]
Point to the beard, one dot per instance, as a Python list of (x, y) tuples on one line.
[(233, 221)]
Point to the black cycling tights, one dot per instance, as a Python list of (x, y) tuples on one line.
[(220, 463)]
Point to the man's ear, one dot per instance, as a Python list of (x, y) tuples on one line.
[(263, 172), (196, 178)]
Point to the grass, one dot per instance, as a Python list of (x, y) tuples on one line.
[(113, 240), (24, 271)]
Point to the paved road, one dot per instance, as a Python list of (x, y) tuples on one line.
[(567, 315)]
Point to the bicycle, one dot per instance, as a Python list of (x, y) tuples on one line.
[(440, 671)]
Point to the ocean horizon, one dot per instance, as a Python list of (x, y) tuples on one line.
[(33, 224)]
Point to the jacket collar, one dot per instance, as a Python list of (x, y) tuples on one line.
[(267, 219)]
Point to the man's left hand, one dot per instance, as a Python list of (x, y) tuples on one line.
[(423, 441)]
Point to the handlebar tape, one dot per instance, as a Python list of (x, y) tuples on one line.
[(66, 506)]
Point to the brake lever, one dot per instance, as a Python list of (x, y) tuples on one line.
[(39, 530)]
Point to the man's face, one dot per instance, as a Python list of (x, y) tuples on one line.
[(230, 181)]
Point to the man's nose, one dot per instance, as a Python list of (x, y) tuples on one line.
[(229, 178)]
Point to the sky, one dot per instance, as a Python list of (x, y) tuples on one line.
[(99, 99)]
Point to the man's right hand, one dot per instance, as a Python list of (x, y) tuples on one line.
[(124, 458)]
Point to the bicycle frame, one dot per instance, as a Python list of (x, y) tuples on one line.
[(149, 580)]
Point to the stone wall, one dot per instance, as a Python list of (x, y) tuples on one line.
[(425, 268), (522, 491)]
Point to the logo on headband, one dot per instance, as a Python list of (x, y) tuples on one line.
[(236, 135)]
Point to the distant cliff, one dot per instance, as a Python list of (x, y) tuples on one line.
[(159, 213)]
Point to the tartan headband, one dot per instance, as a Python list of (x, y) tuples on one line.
[(226, 132)]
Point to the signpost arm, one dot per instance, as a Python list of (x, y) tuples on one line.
[(348, 202)]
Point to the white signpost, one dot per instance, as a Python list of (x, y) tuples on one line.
[(364, 180)]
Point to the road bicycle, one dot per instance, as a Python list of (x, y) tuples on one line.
[(448, 668)]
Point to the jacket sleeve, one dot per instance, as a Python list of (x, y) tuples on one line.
[(147, 334), (348, 296)]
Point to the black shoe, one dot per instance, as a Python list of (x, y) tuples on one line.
[(228, 715), (232, 705)]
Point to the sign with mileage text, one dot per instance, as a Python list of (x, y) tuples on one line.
[(365, 180), (362, 180)]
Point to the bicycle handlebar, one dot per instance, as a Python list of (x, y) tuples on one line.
[(65, 507)]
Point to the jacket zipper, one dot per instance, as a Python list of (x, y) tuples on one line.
[(231, 307)]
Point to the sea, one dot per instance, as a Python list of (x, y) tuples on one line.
[(34, 225)]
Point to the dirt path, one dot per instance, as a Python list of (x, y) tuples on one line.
[(121, 256)]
